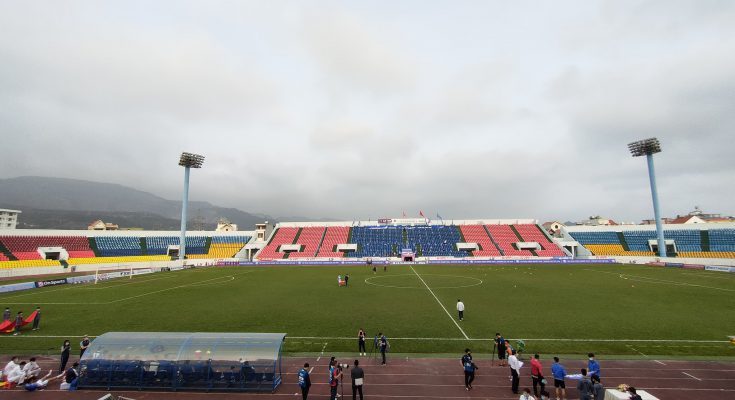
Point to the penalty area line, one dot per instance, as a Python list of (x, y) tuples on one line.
[(440, 303)]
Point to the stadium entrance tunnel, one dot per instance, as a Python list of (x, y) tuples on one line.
[(183, 361)]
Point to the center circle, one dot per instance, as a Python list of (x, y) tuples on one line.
[(411, 281)]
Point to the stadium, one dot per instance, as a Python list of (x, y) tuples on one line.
[(304, 132), (405, 275)]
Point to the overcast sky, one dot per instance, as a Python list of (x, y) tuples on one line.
[(495, 109)]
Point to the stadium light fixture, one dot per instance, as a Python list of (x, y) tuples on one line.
[(188, 161), (648, 148)]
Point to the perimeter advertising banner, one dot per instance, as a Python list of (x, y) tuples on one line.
[(52, 282), (719, 268)]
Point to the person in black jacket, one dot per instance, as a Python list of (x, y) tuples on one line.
[(72, 376), (358, 377), (37, 319), (65, 349)]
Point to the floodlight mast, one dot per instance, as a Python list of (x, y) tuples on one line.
[(188, 161), (649, 147)]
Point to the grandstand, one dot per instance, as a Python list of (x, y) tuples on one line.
[(362, 240), (700, 241), (44, 248)]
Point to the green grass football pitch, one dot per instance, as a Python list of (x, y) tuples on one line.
[(561, 309)]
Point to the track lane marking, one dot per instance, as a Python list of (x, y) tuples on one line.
[(690, 375)]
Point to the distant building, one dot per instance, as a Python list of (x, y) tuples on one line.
[(552, 227), (100, 225), (596, 220), (8, 218), (226, 226), (694, 217)]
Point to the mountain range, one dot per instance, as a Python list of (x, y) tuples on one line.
[(60, 203)]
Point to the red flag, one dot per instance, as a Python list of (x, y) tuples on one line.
[(421, 213)]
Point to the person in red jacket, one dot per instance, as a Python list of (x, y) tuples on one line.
[(536, 375)]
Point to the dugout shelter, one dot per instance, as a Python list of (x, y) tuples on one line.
[(183, 361)]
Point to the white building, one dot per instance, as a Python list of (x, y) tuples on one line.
[(8, 218)]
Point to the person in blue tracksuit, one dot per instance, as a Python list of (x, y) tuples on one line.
[(304, 381), (557, 370)]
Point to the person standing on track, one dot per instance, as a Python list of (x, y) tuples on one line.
[(335, 374), (6, 314), (304, 381), (500, 345), (83, 346), (593, 367), (358, 379), (383, 345), (515, 371), (537, 375), (557, 370), (361, 342), (460, 309), (65, 350), (469, 369)]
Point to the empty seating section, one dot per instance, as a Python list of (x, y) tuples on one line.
[(332, 237), (585, 238), (478, 234), (638, 240), (310, 239), (722, 240), (504, 236), (686, 240), (158, 245), (26, 247), (706, 254), (116, 260), (377, 241), (28, 264), (223, 247), (3, 257), (285, 235), (615, 250), (435, 240), (532, 233), (118, 246)]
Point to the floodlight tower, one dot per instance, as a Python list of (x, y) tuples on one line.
[(648, 148), (188, 161)]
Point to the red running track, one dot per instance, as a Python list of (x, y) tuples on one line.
[(431, 378)]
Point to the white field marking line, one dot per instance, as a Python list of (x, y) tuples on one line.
[(322, 353), (72, 286), (112, 283), (131, 297), (637, 351), (440, 303), (646, 279), (231, 278), (162, 290), (662, 363), (690, 375), (319, 338), (524, 339)]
